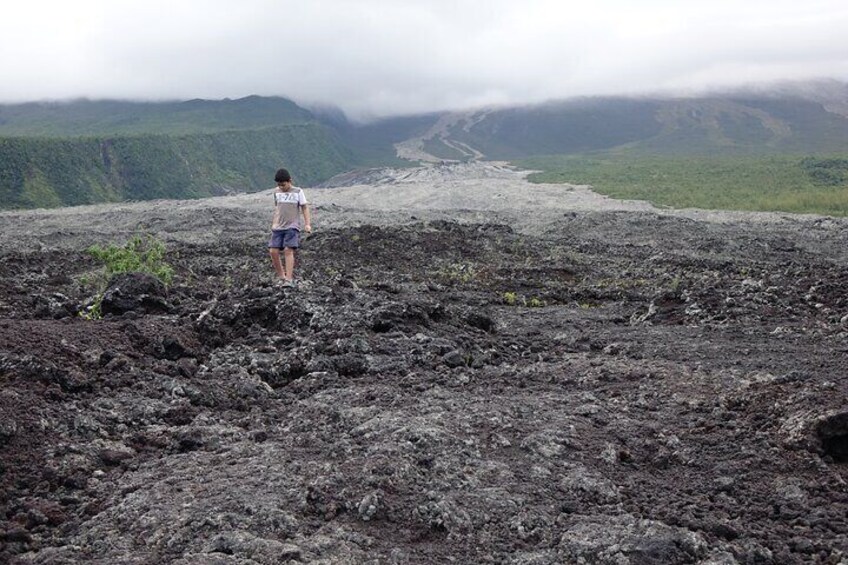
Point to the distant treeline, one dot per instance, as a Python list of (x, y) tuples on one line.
[(50, 172)]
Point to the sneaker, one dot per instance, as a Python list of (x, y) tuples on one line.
[(283, 283)]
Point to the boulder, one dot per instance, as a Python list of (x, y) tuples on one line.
[(135, 292)]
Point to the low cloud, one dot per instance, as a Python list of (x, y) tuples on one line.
[(374, 58)]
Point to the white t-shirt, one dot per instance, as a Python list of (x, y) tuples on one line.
[(287, 207)]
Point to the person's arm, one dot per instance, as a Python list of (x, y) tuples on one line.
[(304, 207), (307, 218)]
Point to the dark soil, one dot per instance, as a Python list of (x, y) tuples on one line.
[(624, 389)]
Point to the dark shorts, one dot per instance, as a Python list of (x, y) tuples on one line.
[(285, 238)]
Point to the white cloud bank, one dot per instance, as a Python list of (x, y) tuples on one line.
[(382, 57)]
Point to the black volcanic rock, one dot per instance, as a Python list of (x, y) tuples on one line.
[(135, 292)]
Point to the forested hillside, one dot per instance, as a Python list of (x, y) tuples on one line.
[(56, 154), (50, 172), (80, 152), (112, 117)]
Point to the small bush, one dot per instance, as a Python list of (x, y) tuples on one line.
[(460, 273), (139, 255), (534, 302), (93, 311), (513, 299)]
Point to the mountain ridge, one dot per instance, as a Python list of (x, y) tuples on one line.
[(744, 123), (792, 118), (84, 117)]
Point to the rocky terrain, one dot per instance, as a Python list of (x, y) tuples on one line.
[(473, 369)]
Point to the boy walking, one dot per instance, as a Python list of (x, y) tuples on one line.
[(289, 202)]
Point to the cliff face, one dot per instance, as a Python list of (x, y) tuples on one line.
[(477, 384)]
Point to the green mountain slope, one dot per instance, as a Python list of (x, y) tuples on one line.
[(788, 120), (563, 127), (673, 127), (110, 117), (49, 172)]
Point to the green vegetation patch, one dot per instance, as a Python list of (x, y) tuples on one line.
[(43, 172), (515, 299), (780, 183), (38, 193), (826, 172), (139, 255)]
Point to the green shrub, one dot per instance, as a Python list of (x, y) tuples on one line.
[(139, 255), (93, 311), (513, 299), (461, 273), (826, 172)]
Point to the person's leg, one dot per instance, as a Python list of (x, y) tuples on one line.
[(275, 260), (288, 253), (291, 241)]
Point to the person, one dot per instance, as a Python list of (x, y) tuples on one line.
[(289, 203)]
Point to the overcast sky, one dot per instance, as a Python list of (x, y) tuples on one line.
[(384, 57)]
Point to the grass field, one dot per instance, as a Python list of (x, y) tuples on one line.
[(784, 183)]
